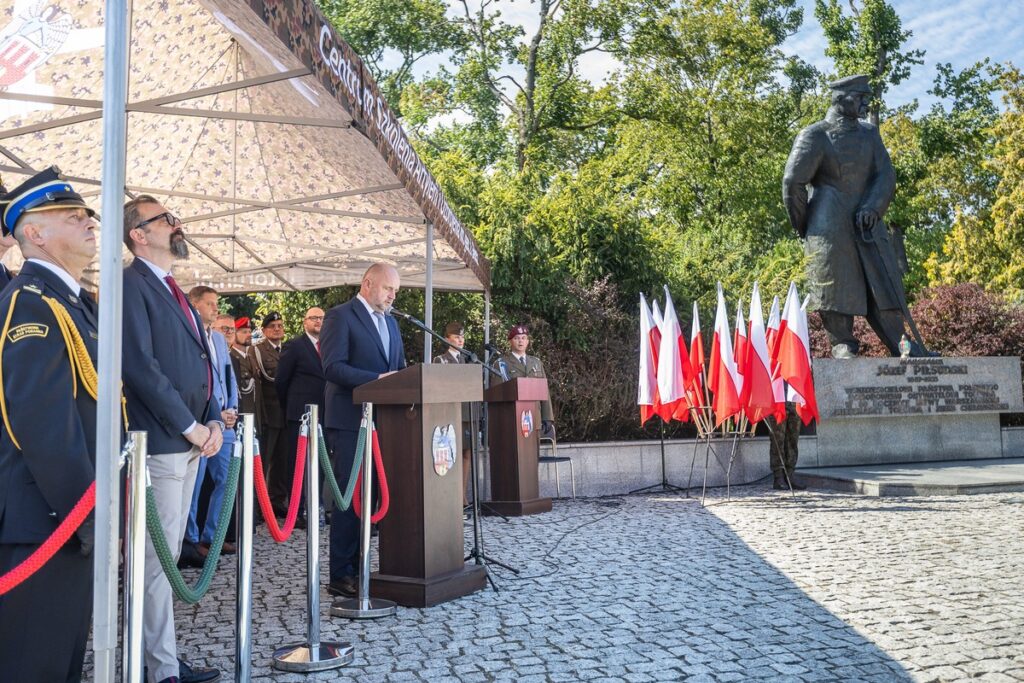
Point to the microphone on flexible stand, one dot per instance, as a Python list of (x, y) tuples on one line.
[(492, 348)]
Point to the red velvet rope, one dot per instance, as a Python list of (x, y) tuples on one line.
[(385, 495), (31, 564), (281, 534)]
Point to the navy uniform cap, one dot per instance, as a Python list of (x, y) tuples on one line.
[(42, 192), (271, 317), (859, 83)]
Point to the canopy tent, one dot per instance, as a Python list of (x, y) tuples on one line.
[(252, 121), (255, 123)]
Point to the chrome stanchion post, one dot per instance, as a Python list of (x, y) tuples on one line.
[(134, 559), (313, 655), (363, 606), (243, 601)]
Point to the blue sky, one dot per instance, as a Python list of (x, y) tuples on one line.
[(960, 32)]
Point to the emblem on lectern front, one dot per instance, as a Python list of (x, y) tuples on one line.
[(443, 448), (526, 423)]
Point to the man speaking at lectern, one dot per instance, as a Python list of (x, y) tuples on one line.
[(359, 343)]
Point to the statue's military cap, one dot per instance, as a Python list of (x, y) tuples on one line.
[(44, 191), (859, 83)]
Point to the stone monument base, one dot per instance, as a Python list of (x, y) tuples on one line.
[(893, 410)]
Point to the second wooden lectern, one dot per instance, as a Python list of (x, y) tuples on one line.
[(513, 439), (419, 425)]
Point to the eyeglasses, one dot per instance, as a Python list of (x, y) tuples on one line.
[(171, 219), (226, 329), (315, 318)]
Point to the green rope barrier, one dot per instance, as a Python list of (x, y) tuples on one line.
[(342, 501), (163, 550)]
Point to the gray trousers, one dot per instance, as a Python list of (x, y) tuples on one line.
[(173, 476)]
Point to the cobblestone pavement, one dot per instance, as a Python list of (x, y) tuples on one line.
[(822, 587)]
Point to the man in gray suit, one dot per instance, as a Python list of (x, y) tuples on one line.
[(852, 265)]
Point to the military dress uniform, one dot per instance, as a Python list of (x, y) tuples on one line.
[(530, 366), (47, 462), (263, 359)]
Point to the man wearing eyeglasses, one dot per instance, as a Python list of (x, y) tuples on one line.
[(168, 381), (300, 381)]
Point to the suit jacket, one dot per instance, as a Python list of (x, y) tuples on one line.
[(300, 378), (42, 481), (353, 354), (224, 386), (263, 359), (165, 366), (532, 367)]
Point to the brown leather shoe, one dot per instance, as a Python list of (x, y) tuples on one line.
[(229, 548), (203, 549), (346, 586)]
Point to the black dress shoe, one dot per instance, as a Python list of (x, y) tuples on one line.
[(190, 557), (797, 486), (779, 484), (191, 674), (300, 522), (346, 587)]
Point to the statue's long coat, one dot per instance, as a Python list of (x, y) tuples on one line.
[(848, 170)]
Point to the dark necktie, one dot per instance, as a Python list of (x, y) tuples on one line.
[(179, 296)]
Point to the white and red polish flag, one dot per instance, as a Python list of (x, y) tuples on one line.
[(647, 390), (739, 349), (723, 379), (673, 364), (759, 397), (697, 358), (773, 332), (795, 357)]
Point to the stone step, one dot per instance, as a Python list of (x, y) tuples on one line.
[(948, 478)]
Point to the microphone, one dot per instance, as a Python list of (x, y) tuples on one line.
[(492, 348), (398, 314)]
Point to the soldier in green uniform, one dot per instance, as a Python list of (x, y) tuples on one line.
[(782, 449), (47, 446), (516, 363), (454, 333)]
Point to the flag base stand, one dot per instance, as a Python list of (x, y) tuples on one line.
[(664, 485)]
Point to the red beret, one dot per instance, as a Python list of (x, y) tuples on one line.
[(517, 330), (241, 322)]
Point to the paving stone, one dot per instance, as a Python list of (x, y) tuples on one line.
[(822, 587)]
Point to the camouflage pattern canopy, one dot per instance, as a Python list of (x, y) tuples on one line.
[(252, 121)]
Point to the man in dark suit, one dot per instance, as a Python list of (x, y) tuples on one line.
[(47, 449), (359, 343), (168, 381), (300, 381)]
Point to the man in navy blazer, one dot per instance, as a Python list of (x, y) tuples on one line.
[(300, 381), (168, 381), (359, 343)]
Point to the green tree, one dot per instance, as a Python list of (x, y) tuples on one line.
[(868, 40), (986, 246)]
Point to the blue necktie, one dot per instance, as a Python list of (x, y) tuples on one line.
[(382, 327)]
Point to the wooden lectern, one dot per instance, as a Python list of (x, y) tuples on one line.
[(513, 438), (421, 538)]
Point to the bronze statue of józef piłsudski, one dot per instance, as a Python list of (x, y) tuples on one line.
[(852, 266)]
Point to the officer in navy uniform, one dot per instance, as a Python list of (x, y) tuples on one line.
[(47, 447), (516, 363)]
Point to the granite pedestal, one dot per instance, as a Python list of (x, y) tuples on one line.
[(895, 410)]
